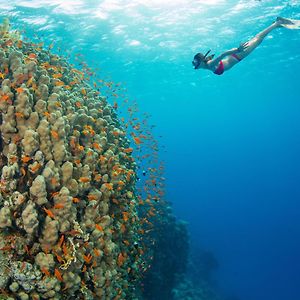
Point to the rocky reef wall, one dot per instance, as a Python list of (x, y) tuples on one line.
[(68, 216)]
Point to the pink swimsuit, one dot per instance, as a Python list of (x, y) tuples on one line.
[(220, 68)]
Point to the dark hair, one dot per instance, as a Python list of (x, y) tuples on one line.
[(199, 57)]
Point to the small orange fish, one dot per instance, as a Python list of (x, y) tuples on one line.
[(19, 90), (58, 275), (75, 200), (97, 252), (109, 186), (128, 150), (125, 216), (99, 227), (97, 146), (87, 258), (98, 177), (121, 259), (58, 257), (123, 228), (26, 159), (137, 140), (126, 242), (32, 55), (35, 168), (53, 181), (84, 269), (45, 271), (55, 134), (5, 97), (61, 240), (84, 179), (73, 232), (19, 115), (92, 197), (58, 206), (49, 213), (23, 172), (56, 76), (80, 148), (59, 83), (19, 44), (65, 249)]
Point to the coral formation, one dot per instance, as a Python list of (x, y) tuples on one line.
[(169, 254), (68, 219)]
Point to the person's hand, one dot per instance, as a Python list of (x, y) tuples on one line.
[(243, 47)]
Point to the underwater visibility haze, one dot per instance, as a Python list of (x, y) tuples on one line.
[(230, 144)]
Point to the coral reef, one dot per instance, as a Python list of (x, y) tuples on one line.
[(68, 213), (169, 246)]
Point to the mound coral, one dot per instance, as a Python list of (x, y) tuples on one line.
[(68, 219)]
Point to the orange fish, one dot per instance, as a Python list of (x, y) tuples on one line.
[(56, 76), (123, 228), (84, 179), (32, 55), (121, 259), (23, 171), (54, 134), (58, 275), (97, 252), (128, 150), (98, 177), (84, 269), (19, 44), (59, 83), (58, 206), (45, 271), (61, 240), (19, 90), (73, 232), (26, 159), (35, 168), (125, 216), (92, 197), (109, 186), (49, 213), (97, 146), (19, 115), (75, 200), (87, 258), (137, 140), (5, 97), (99, 227)]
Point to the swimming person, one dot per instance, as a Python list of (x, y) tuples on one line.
[(231, 57)]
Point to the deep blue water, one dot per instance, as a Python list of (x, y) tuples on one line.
[(232, 141)]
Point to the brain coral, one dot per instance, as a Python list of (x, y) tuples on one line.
[(68, 220)]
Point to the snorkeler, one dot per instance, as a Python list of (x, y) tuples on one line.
[(231, 57)]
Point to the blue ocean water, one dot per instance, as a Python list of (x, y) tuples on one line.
[(232, 142)]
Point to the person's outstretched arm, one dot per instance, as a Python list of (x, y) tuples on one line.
[(216, 60)]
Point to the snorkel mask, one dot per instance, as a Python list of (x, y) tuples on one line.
[(198, 58)]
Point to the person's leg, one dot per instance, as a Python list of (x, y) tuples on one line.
[(257, 39)]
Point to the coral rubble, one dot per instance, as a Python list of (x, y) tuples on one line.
[(68, 219)]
